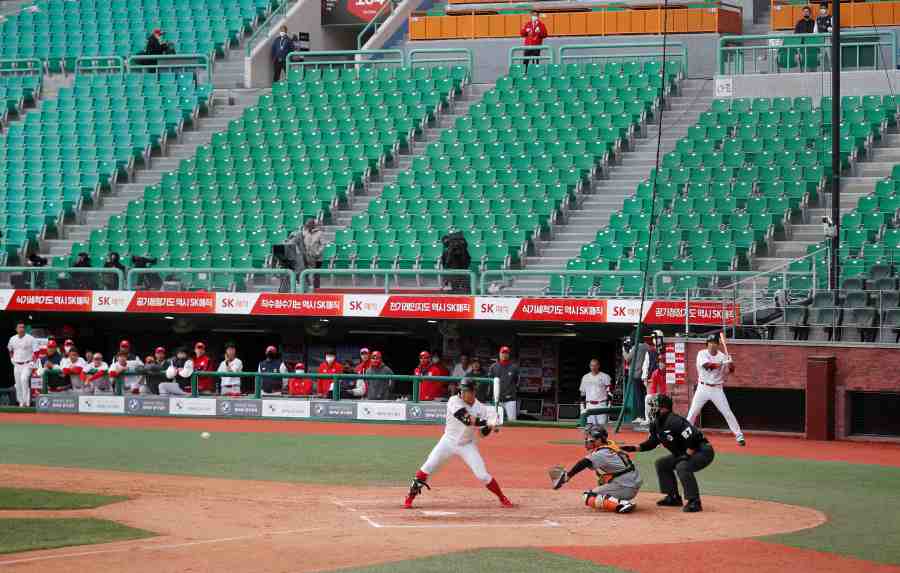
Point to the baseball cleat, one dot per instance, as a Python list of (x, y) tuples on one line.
[(670, 501), (407, 503), (741, 441), (625, 506), (505, 502), (693, 506)]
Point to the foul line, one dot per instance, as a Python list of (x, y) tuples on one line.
[(158, 547)]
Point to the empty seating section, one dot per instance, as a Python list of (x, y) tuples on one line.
[(295, 155), (743, 173), (60, 31), (505, 170), (82, 141), (17, 91)]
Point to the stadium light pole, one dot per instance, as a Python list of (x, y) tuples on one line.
[(835, 143)]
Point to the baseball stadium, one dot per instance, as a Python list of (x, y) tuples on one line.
[(425, 286)]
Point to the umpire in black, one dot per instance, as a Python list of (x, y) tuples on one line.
[(689, 452)]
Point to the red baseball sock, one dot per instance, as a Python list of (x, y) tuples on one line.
[(421, 475), (494, 488)]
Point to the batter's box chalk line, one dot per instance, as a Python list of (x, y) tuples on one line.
[(384, 520)]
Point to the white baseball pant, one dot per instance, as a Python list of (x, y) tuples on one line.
[(22, 376), (716, 394), (599, 419), (171, 389), (511, 409), (469, 453)]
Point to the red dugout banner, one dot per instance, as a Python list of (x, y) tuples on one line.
[(50, 300), (700, 312), (299, 304), (560, 310), (173, 302)]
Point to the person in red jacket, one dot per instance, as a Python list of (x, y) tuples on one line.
[(534, 31), (300, 386), (428, 366), (364, 361), (205, 384), (330, 366)]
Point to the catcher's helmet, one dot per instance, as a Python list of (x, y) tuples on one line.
[(466, 384), (594, 433)]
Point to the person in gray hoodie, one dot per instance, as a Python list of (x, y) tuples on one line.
[(378, 389)]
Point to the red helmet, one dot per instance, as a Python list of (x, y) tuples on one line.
[(300, 366)]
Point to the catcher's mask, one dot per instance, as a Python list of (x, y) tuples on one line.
[(657, 402), (594, 434)]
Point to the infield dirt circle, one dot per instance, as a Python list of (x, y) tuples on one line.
[(242, 526)]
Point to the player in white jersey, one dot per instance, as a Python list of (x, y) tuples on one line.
[(466, 419), (595, 389), (22, 347), (713, 366)]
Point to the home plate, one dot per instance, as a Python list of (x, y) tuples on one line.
[(438, 513)]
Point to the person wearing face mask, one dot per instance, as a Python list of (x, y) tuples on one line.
[(379, 389), (230, 385), (823, 20), (806, 24), (508, 373), (300, 386), (281, 47), (202, 363), (534, 31), (179, 372), (272, 364), (67, 346), (330, 366)]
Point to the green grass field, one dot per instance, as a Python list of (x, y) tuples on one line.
[(856, 498), (17, 498), (512, 560), (27, 534)]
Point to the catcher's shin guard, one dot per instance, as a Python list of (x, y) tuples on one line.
[(415, 488), (607, 503)]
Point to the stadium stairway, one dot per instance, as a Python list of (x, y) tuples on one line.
[(606, 195), (472, 93), (228, 104), (8, 7)]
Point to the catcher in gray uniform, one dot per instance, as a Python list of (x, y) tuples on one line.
[(619, 481)]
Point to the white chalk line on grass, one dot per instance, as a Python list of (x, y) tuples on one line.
[(130, 548)]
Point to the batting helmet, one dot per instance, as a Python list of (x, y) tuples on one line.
[(466, 384)]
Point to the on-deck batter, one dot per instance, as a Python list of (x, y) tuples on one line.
[(466, 417)]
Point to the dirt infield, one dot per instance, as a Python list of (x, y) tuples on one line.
[(240, 526)]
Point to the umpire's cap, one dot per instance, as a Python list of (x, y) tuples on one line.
[(664, 401), (712, 338), (466, 384)]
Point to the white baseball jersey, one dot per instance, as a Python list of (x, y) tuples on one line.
[(458, 433), (74, 379), (231, 384), (595, 387), (712, 377), (130, 382), (22, 348)]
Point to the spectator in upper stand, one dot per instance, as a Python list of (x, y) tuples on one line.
[(508, 373), (133, 382), (281, 47), (110, 280), (97, 376), (50, 367), (202, 363), (179, 372), (85, 281), (230, 385), (313, 247), (271, 365), (155, 47), (330, 366), (823, 20), (805, 25), (534, 31), (73, 367), (155, 370), (300, 386), (379, 389)]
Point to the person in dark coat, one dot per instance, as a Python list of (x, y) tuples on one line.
[(281, 47), (805, 25), (155, 47)]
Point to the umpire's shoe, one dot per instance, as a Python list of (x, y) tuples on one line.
[(693, 506), (670, 501)]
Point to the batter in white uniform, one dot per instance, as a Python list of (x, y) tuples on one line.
[(713, 366), (22, 347), (466, 417)]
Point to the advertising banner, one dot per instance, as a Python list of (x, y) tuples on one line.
[(333, 410), (560, 310), (50, 403), (395, 411), (50, 300), (173, 302), (426, 412), (101, 404), (147, 405), (238, 407), (446, 307), (192, 406), (700, 312), (349, 12), (299, 304), (285, 408)]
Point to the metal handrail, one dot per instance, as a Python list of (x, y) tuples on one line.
[(307, 274), (120, 276), (501, 274), (389, 5), (135, 274), (546, 55), (172, 62), (263, 29), (298, 60), (86, 64), (443, 57), (31, 65), (774, 45), (674, 50)]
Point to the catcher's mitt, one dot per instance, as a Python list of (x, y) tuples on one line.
[(558, 476)]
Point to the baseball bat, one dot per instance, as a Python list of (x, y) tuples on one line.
[(498, 404), (724, 342)]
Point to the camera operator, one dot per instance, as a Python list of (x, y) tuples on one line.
[(110, 280), (84, 281), (149, 281), (456, 256), (37, 261)]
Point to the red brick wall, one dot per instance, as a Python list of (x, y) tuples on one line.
[(783, 365)]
